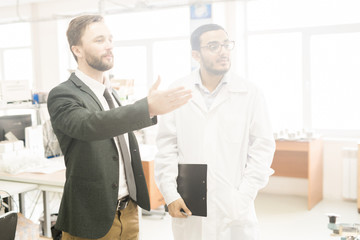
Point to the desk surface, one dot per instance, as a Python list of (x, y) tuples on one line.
[(46, 182), (56, 179), (13, 188)]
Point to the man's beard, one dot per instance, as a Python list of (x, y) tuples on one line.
[(209, 67), (98, 64)]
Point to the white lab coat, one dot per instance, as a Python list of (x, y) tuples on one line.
[(234, 138)]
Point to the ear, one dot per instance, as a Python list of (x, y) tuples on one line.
[(196, 55), (77, 51)]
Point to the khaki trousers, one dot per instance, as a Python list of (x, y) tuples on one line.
[(125, 226)]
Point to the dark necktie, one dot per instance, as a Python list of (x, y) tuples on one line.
[(124, 153)]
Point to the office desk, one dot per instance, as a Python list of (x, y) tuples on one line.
[(301, 160), (13, 188), (53, 182)]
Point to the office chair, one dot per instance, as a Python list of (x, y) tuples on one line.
[(8, 223)]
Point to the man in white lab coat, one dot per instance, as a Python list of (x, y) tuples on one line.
[(226, 126)]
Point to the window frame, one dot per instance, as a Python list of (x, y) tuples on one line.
[(307, 33)]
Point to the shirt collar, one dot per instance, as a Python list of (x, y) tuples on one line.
[(199, 84), (95, 86)]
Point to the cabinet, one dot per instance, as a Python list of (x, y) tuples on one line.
[(156, 198), (301, 159)]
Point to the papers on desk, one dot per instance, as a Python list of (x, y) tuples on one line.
[(32, 163)]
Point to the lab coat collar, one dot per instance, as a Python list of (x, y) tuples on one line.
[(234, 84)]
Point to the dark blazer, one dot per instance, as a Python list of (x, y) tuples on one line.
[(85, 133)]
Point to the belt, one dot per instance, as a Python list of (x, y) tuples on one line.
[(122, 203)]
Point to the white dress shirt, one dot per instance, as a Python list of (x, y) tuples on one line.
[(208, 96)]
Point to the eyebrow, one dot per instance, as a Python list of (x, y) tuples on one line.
[(212, 42), (103, 36)]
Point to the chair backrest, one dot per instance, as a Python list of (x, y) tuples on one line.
[(8, 223)]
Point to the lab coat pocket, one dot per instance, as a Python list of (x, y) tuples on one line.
[(241, 207), (232, 208)]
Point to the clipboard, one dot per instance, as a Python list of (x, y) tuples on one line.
[(192, 187)]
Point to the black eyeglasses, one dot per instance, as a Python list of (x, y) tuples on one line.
[(215, 47)]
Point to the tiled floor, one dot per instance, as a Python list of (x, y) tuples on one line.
[(286, 217), (280, 217)]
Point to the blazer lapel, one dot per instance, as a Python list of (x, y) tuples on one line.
[(83, 87)]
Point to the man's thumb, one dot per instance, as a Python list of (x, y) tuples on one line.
[(156, 84)]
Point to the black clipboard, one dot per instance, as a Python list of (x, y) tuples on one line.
[(192, 187)]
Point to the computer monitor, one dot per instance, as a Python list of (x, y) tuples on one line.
[(15, 124)]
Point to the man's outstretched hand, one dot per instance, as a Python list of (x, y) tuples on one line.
[(161, 102)]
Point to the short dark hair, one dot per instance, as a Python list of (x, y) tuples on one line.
[(196, 34), (77, 27)]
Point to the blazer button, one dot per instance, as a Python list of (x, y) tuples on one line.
[(115, 158), (114, 186)]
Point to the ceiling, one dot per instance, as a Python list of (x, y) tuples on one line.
[(107, 6), (125, 3), (5, 3)]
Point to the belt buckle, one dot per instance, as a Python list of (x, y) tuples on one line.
[(123, 203)]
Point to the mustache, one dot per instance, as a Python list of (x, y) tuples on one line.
[(109, 53), (222, 59)]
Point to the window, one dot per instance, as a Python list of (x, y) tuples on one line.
[(130, 63), (171, 22), (282, 14), (15, 52), (274, 64), (305, 55), (18, 64), (171, 60), (67, 62), (15, 61), (17, 35), (335, 76), (155, 43)]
